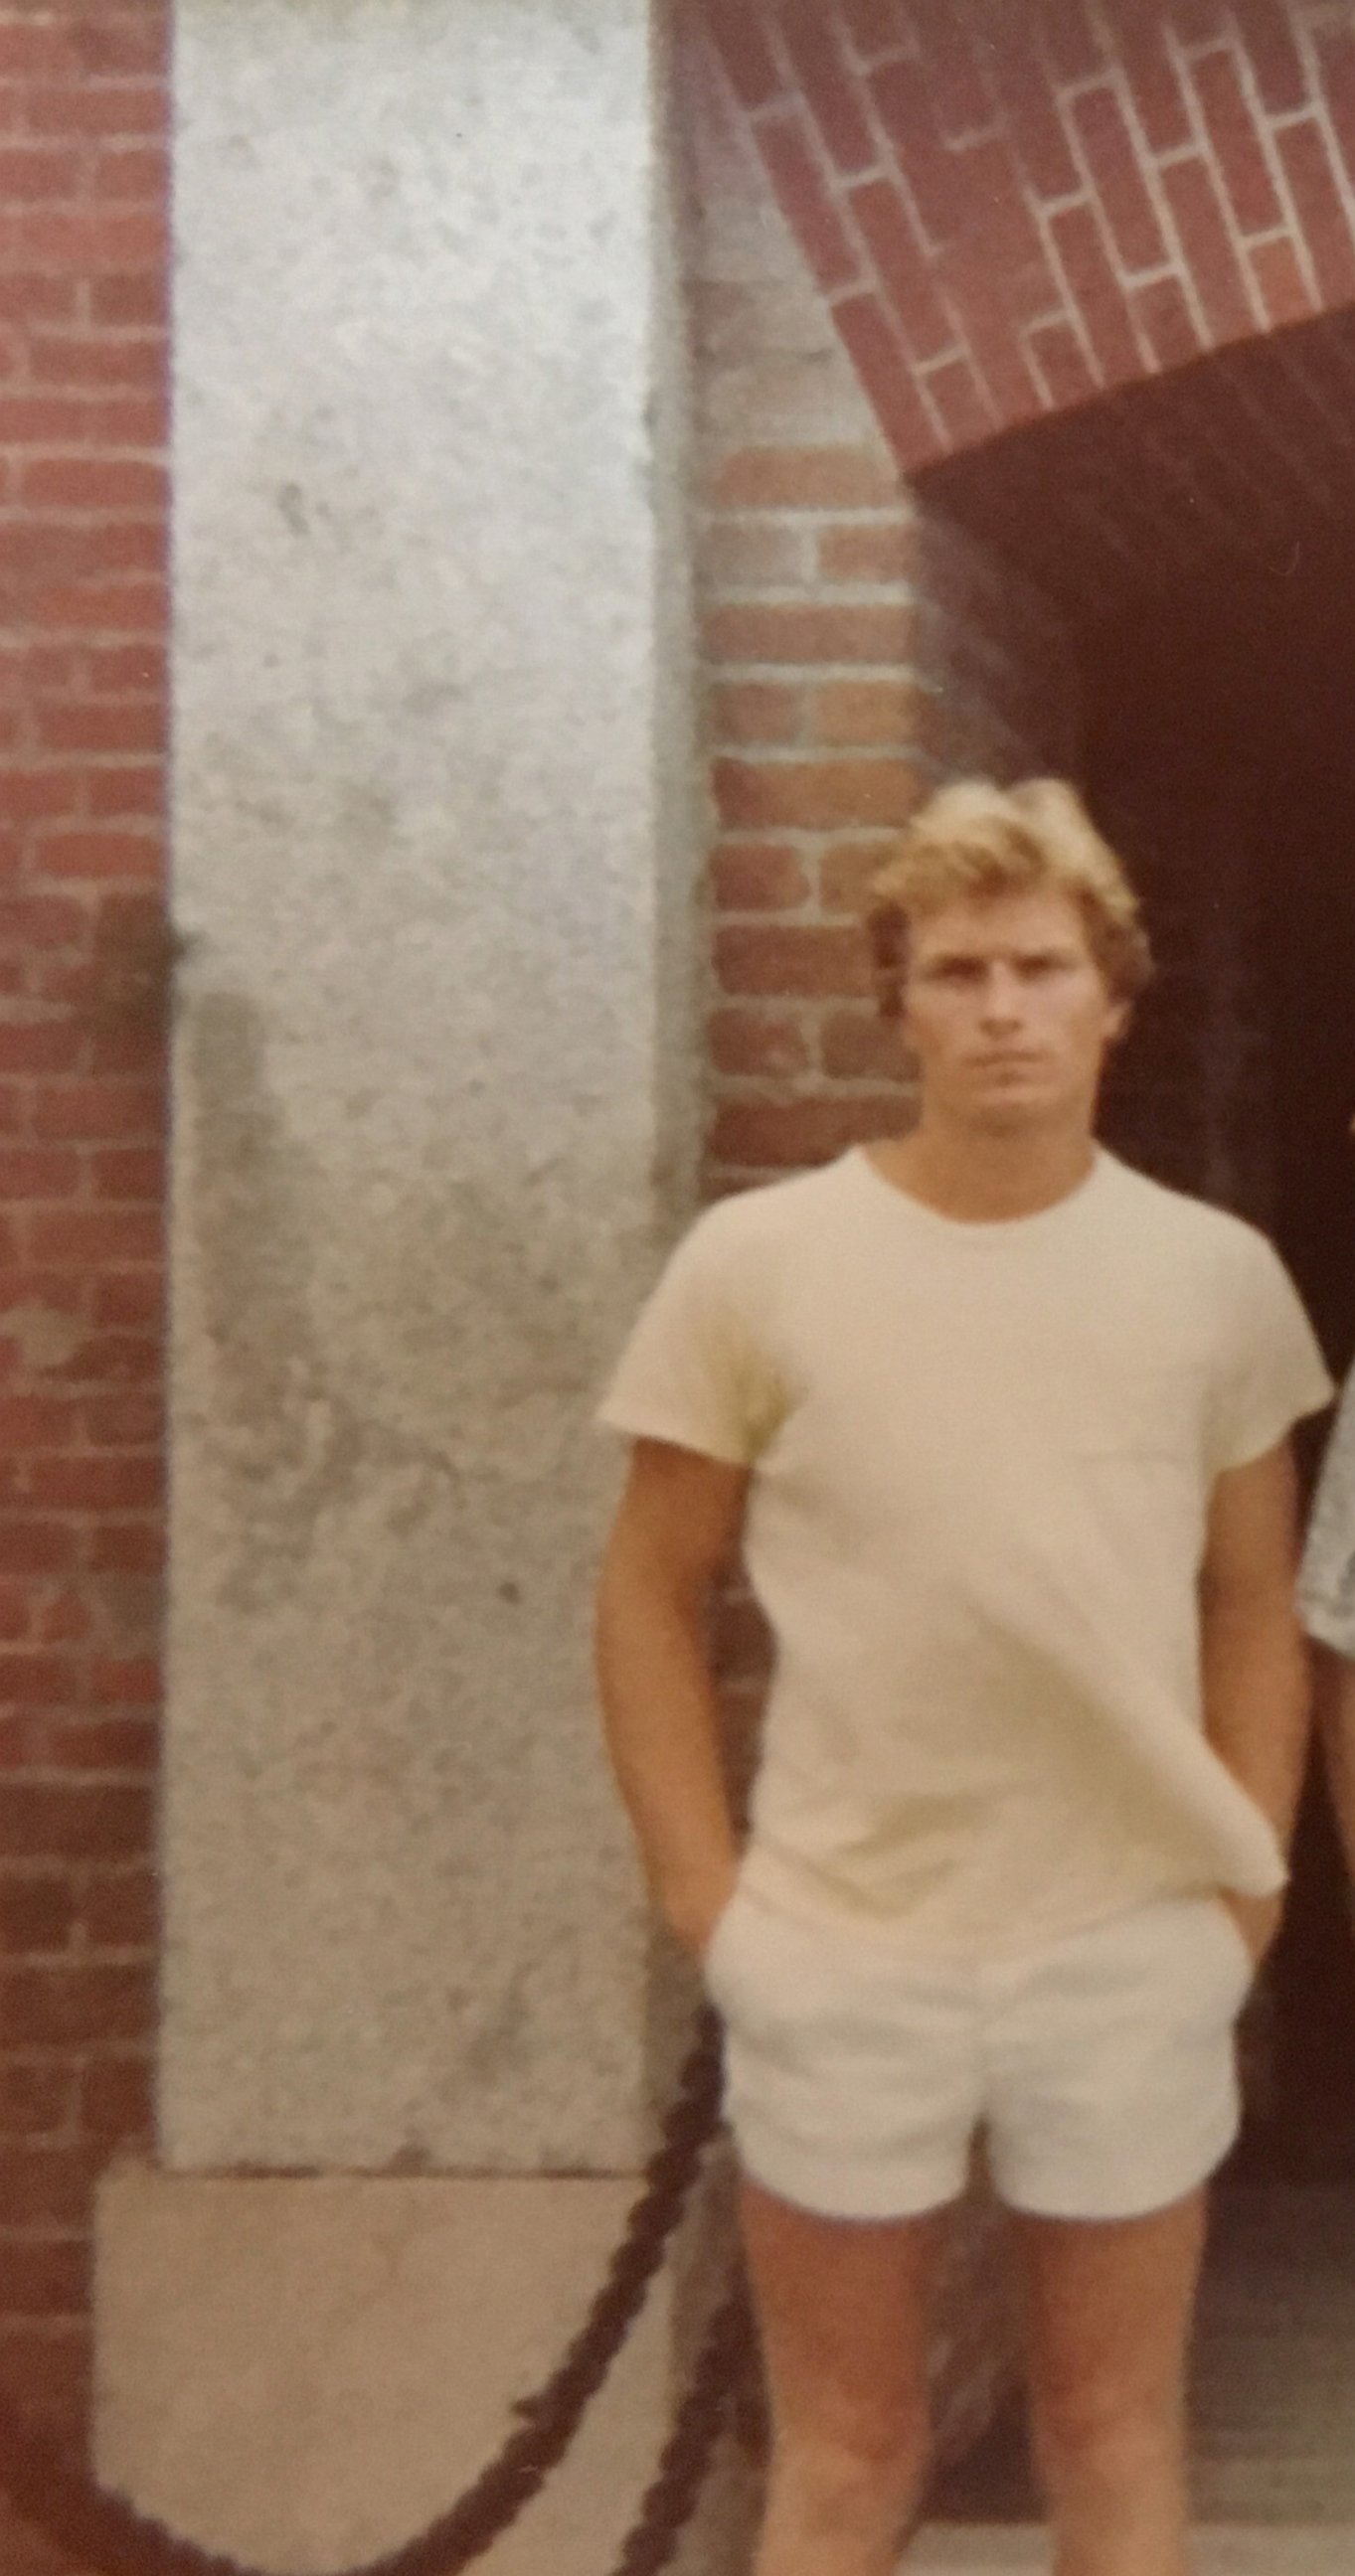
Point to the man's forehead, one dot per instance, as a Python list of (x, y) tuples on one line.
[(989, 925)]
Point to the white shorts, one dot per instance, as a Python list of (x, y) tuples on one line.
[(1102, 2067)]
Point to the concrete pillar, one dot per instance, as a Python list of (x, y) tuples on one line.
[(434, 1121)]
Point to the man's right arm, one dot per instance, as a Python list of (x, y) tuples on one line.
[(674, 1532)]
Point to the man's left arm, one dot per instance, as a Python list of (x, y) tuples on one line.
[(1257, 1688)]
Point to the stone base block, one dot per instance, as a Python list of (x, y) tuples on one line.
[(304, 2373)]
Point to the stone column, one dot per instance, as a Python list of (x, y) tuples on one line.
[(434, 1120)]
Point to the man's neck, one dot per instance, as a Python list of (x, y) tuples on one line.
[(983, 1177)]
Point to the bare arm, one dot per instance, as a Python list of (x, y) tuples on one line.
[(1256, 1679), (675, 1529)]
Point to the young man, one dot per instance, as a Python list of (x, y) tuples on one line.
[(1003, 1425)]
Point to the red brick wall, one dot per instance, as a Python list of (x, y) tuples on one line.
[(83, 955), (1011, 209)]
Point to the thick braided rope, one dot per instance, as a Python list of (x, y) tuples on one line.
[(108, 2537)]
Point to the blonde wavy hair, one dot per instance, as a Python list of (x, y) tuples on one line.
[(979, 839)]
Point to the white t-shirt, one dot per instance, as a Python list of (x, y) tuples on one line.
[(982, 1456)]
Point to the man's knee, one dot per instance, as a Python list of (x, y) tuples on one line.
[(1111, 2433), (853, 2475)]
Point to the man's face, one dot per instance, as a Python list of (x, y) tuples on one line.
[(1007, 1012)]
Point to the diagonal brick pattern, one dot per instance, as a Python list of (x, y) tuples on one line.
[(1013, 210)]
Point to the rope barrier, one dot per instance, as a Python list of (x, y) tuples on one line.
[(108, 2537)]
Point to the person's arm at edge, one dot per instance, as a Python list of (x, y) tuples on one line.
[(1257, 1682), (1336, 1726), (674, 1531)]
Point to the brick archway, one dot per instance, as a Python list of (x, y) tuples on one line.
[(1013, 210)]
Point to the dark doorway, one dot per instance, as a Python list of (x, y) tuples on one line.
[(1220, 754), (1199, 533)]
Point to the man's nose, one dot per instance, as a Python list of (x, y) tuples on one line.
[(1002, 992)]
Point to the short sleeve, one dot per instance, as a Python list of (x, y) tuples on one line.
[(695, 1370), (1272, 1372)]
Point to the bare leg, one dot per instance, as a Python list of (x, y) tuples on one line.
[(843, 2308), (1109, 2306)]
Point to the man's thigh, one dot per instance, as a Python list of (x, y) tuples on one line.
[(844, 2307), (1108, 2307)]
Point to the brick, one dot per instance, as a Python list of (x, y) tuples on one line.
[(986, 295), (741, 36), (1071, 44), (1277, 67), (117, 2099), (803, 195), (33, 52), (810, 635), (130, 302), (37, 1912), (131, 173), (117, 794), (36, 1546), (1098, 296), (960, 94), (858, 1046), (846, 869), (39, 1046), (1113, 163), (967, 414), (120, 1909), (107, 1745), (74, 1820), (36, 795), (812, 42), (806, 478), (1231, 127), (93, 483), (55, 420), (130, 43), (1030, 115), (1061, 361), (128, 1548), (814, 796), (903, 266), (127, 608), (1166, 321), (936, 176), (782, 959), (766, 1043), (28, 1173), (755, 554), (127, 669), (45, 2366), (95, 1110), (30, 171), (37, 1422), (105, 854), (1205, 239), (46, 2186), (758, 876), (791, 1135), (114, 1359), (35, 2100), (870, 551), (873, 26), (101, 728), (16, 1608), (126, 1681), (132, 109), (130, 1297), (35, 1680), (753, 711), (122, 1483), (133, 1176), (40, 2279), (94, 1235), (73, 359), (91, 242), (867, 712), (42, 921), (881, 361), (38, 297), (1280, 283)]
